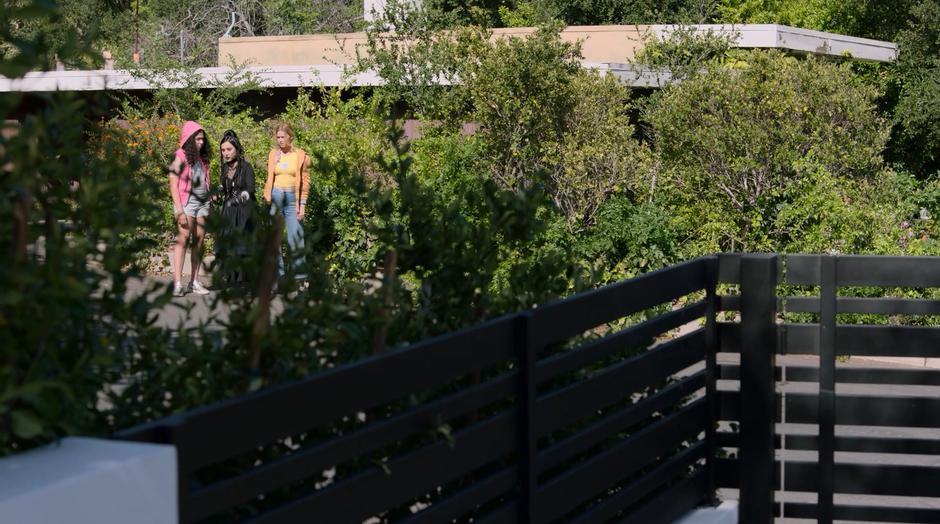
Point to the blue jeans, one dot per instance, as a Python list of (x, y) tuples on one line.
[(284, 201)]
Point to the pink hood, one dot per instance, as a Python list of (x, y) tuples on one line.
[(189, 129), (185, 183)]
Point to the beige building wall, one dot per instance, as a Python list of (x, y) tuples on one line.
[(607, 43)]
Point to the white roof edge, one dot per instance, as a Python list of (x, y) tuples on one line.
[(797, 39), (268, 76), (751, 35), (631, 75)]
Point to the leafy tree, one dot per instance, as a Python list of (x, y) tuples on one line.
[(68, 225), (537, 109), (596, 12), (866, 18), (735, 141), (918, 109), (296, 17), (598, 155), (822, 15), (35, 36), (522, 92), (685, 50)]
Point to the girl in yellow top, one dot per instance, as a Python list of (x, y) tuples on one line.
[(287, 186)]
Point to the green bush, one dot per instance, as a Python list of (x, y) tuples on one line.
[(734, 142)]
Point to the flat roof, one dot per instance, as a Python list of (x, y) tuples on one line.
[(274, 76), (771, 36), (776, 36)]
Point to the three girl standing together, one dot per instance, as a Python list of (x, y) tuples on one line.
[(286, 189)]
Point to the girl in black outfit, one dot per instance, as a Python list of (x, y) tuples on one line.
[(238, 201)]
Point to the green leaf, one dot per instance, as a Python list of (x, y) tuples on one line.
[(26, 424)]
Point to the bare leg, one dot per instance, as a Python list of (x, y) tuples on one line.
[(198, 226), (179, 251)]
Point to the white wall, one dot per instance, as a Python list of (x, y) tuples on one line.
[(90, 481)]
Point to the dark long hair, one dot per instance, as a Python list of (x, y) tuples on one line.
[(192, 155), (243, 171), (230, 137)]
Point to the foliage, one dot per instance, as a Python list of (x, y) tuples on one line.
[(598, 155), (180, 33), (567, 183), (414, 58), (737, 140), (630, 238), (918, 108), (822, 15), (185, 92), (297, 17), (68, 224), (35, 35), (536, 108), (596, 12), (685, 50), (522, 91)]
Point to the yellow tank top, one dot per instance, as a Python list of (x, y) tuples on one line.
[(285, 171)]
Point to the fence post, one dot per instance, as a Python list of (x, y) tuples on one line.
[(758, 356), (167, 431), (711, 376), (827, 378), (525, 349)]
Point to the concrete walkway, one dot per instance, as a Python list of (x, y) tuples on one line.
[(884, 390), (191, 310)]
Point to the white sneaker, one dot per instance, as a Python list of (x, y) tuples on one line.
[(197, 288), (178, 289)]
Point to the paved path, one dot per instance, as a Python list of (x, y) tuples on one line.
[(191, 310), (865, 458)]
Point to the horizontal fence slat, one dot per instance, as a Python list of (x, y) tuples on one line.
[(866, 305), (729, 268), (590, 478), (896, 445), (802, 270), (868, 479), (561, 320), (727, 473), (901, 411), (885, 341), (303, 463), (678, 500), (806, 510), (616, 422), (867, 270), (612, 344), (406, 477), (848, 375), (888, 271), (218, 431), (466, 500), (730, 303), (848, 478), (576, 401), (802, 339), (504, 514), (851, 340), (675, 468), (853, 410)]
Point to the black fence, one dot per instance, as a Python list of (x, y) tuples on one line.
[(833, 307), (604, 407), (594, 408)]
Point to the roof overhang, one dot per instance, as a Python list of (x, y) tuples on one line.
[(271, 77), (775, 36), (597, 40)]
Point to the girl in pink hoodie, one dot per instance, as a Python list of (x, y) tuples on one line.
[(189, 187)]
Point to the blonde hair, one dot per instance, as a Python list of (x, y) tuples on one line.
[(285, 127)]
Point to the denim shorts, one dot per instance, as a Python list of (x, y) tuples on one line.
[(196, 207)]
